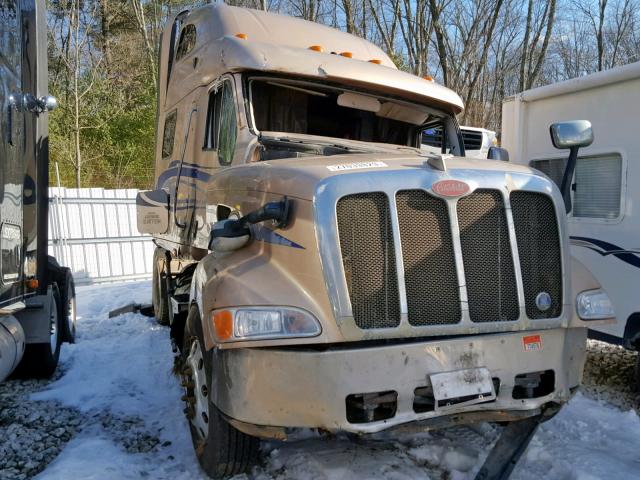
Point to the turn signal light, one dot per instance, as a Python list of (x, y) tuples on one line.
[(243, 36), (32, 284), (376, 61), (347, 54), (223, 323), (316, 48), (428, 78)]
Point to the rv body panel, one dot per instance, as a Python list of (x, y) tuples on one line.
[(604, 226)]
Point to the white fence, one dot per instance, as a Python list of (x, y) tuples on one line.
[(93, 231)]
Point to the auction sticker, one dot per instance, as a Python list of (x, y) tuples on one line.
[(356, 166), (532, 343)]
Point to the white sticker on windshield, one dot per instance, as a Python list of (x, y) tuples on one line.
[(356, 166)]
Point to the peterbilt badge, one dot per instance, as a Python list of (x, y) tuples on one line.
[(543, 301), (450, 188)]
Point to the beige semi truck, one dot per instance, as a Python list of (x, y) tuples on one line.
[(318, 270)]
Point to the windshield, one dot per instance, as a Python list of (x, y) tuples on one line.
[(296, 118)]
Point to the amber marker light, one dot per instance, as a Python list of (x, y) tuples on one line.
[(376, 61), (32, 284), (243, 36), (347, 54), (316, 48), (428, 78), (223, 324)]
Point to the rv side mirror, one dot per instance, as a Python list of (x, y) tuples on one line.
[(498, 153), (571, 135), (152, 211), (576, 133)]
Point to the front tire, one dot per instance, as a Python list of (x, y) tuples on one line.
[(68, 306), (221, 449), (159, 293), (40, 360)]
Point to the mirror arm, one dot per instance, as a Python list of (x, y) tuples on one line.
[(276, 211), (565, 187)]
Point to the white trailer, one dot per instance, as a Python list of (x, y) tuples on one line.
[(604, 224)]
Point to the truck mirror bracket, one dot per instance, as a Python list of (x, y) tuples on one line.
[(278, 212)]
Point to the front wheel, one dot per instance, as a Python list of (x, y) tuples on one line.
[(40, 360), (159, 293), (221, 449), (68, 306)]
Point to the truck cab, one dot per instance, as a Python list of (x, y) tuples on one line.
[(318, 269), (37, 296)]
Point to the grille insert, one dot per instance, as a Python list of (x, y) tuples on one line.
[(429, 261), (472, 140), (488, 263), (368, 257), (538, 240)]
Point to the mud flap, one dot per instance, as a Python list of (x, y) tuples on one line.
[(508, 449)]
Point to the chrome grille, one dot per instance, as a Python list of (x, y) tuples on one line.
[(488, 263), (416, 267), (429, 261), (538, 239), (368, 257)]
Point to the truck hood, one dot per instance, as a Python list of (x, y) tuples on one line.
[(299, 177)]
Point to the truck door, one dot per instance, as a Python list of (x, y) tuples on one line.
[(12, 150)]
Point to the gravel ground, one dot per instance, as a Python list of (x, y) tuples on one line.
[(609, 375), (33, 433)]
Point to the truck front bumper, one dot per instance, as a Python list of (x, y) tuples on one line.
[(306, 388)]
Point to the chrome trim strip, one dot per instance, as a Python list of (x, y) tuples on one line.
[(452, 206), (397, 246), (515, 253)]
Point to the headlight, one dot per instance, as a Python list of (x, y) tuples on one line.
[(259, 323), (594, 305)]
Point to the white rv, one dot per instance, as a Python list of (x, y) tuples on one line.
[(604, 226), (477, 141)]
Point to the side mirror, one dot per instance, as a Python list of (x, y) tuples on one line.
[(572, 135), (227, 237), (576, 133), (498, 153), (232, 234), (152, 211), (46, 103)]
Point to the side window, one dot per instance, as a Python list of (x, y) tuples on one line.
[(597, 184), (221, 127), (169, 134), (187, 41)]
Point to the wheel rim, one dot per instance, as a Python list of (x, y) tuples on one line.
[(71, 315), (53, 326), (197, 390)]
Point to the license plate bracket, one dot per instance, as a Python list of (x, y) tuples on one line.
[(460, 388)]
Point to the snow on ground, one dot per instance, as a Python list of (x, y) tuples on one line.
[(118, 375)]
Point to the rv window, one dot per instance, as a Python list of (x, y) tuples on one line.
[(187, 41), (597, 184), (221, 125), (169, 133)]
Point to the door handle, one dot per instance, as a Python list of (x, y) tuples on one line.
[(12, 105)]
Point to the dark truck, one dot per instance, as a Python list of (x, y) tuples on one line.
[(37, 295)]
